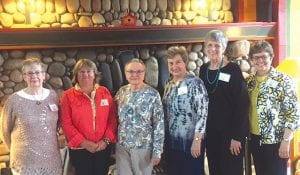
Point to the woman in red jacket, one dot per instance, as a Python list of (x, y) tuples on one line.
[(88, 116)]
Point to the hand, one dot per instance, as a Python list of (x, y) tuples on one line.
[(89, 145), (196, 148), (101, 145), (155, 161), (61, 141), (284, 150), (235, 147)]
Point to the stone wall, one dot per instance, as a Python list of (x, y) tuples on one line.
[(101, 13), (109, 60), (98, 13)]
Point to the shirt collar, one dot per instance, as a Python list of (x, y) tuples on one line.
[(77, 87)]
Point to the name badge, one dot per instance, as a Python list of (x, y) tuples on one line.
[(104, 102), (182, 90), (53, 107), (271, 83), (224, 77)]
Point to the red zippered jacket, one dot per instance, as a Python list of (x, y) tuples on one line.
[(78, 122)]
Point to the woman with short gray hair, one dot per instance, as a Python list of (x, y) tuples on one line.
[(227, 121), (28, 125), (141, 123)]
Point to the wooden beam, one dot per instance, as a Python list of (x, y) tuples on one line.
[(117, 36)]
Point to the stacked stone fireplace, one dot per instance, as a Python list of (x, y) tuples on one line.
[(98, 14), (59, 32), (109, 60)]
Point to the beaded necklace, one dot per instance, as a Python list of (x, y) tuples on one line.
[(215, 80)]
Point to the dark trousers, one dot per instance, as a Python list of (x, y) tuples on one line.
[(86, 163), (266, 158), (220, 159), (182, 163)]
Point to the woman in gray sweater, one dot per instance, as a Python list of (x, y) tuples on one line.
[(28, 125)]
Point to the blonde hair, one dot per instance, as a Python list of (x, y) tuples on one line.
[(85, 63)]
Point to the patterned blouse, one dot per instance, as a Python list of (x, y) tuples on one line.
[(186, 107), (141, 119), (277, 106)]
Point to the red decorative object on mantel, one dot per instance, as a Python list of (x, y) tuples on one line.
[(128, 20)]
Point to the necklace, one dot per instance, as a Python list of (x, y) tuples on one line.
[(215, 81), (38, 101)]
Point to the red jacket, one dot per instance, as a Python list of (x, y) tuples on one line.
[(77, 118)]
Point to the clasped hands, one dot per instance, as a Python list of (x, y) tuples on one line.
[(92, 146)]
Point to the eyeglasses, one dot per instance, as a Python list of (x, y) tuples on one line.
[(37, 73), (138, 72), (263, 57)]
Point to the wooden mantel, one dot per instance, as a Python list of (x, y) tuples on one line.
[(33, 38)]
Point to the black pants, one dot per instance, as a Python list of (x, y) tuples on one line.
[(266, 158), (86, 163), (220, 159), (182, 163)]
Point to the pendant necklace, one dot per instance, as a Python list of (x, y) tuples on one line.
[(215, 81), (38, 101)]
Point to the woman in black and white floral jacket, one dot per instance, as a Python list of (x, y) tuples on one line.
[(274, 112)]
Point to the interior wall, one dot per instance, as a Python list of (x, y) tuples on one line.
[(250, 10), (294, 35)]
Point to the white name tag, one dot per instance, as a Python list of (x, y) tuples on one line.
[(104, 102), (271, 83), (224, 77), (182, 90), (53, 107)]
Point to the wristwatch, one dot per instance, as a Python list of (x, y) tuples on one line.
[(106, 140), (197, 138)]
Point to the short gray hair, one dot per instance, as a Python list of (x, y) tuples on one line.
[(217, 36), (33, 61)]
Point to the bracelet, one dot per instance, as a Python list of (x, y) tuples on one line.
[(286, 139), (106, 140)]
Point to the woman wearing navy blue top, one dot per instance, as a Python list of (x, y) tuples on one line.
[(227, 121)]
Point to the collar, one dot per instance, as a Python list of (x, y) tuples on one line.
[(77, 87)]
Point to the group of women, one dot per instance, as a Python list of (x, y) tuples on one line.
[(212, 113)]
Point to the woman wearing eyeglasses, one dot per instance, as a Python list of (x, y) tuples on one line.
[(28, 125), (185, 103), (274, 112), (88, 117), (141, 123)]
